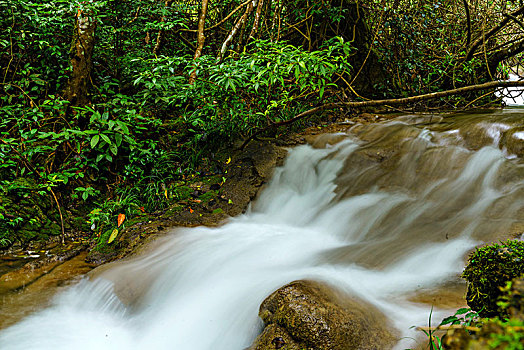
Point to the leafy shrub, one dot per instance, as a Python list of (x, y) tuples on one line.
[(488, 271), (266, 84)]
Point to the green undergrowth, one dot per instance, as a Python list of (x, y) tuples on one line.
[(103, 220)]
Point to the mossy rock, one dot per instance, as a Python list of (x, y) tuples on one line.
[(312, 315), (27, 215), (488, 271)]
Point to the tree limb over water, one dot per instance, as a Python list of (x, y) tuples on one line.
[(388, 102)]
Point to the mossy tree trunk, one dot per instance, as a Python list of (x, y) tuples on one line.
[(81, 55)]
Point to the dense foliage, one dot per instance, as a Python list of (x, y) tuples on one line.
[(116, 131)]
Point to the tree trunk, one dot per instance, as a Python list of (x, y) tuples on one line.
[(160, 35), (201, 38), (81, 55), (257, 19), (235, 29)]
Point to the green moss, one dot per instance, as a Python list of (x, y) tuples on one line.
[(489, 269), (182, 192), (206, 197)]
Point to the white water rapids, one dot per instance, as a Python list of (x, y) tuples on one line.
[(332, 214)]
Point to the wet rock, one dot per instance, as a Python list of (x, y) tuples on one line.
[(513, 141), (311, 315), (489, 269), (247, 172), (276, 337), (483, 134), (323, 140)]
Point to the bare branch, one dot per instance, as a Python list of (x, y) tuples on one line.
[(387, 102), (257, 19), (160, 35), (492, 32)]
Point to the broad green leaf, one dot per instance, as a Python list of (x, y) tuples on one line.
[(123, 126), (94, 140), (118, 139), (113, 148), (462, 311), (106, 138)]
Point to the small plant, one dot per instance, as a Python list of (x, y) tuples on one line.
[(434, 342), (85, 192), (107, 219), (464, 316)]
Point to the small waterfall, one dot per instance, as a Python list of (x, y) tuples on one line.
[(388, 213)]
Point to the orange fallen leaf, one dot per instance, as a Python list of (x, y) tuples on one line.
[(121, 218), (191, 210)]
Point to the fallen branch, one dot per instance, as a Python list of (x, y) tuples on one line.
[(387, 102)]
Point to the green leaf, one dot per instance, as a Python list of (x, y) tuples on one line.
[(106, 138), (123, 126), (449, 320), (118, 139), (462, 311), (113, 148), (114, 233), (94, 141)]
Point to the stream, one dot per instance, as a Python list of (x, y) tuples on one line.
[(386, 212)]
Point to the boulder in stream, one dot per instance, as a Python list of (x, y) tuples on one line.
[(312, 315)]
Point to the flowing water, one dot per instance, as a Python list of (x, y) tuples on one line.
[(386, 212)]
